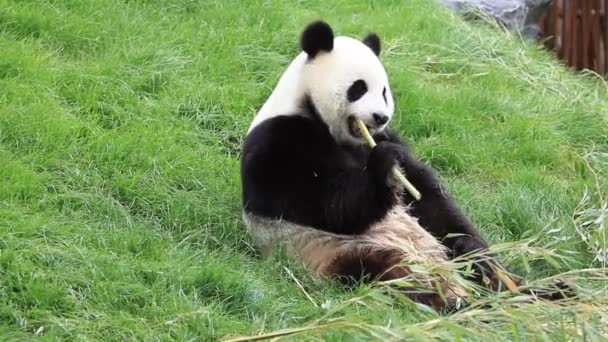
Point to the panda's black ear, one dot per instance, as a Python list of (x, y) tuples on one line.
[(317, 36), (373, 41)]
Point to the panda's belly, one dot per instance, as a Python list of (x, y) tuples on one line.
[(397, 231)]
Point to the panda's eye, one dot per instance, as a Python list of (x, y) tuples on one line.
[(356, 90), (384, 95)]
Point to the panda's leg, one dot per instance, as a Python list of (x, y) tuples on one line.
[(383, 264), (382, 253), (439, 214), (436, 211)]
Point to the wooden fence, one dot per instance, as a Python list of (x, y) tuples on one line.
[(577, 30)]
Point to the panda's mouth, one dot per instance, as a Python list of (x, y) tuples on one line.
[(353, 128)]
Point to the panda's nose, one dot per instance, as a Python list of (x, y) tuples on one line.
[(380, 119)]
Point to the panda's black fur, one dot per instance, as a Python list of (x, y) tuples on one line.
[(295, 172)]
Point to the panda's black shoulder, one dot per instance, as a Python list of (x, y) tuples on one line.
[(283, 128), (278, 163), (288, 134)]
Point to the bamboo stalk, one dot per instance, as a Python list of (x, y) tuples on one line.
[(396, 172)]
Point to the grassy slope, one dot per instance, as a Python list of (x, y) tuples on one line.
[(120, 128)]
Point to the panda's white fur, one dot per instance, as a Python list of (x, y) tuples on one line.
[(398, 231), (324, 81)]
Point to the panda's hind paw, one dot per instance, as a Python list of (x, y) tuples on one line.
[(559, 290)]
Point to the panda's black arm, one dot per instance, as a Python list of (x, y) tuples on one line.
[(436, 211), (354, 199)]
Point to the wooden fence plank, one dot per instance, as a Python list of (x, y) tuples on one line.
[(560, 24), (566, 32), (586, 19), (574, 25), (605, 28), (552, 25), (596, 37)]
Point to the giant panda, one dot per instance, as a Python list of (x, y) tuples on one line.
[(311, 185)]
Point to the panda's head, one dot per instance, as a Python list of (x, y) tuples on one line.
[(344, 79)]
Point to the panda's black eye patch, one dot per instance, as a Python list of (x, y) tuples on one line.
[(384, 95), (356, 90)]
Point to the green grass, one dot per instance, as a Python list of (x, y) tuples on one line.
[(120, 131)]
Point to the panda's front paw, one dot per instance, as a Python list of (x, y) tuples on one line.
[(466, 244), (382, 159)]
